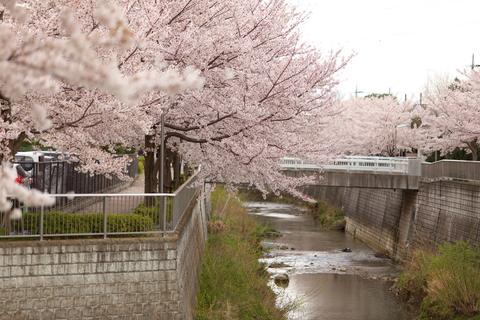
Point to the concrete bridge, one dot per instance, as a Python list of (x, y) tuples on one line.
[(361, 172)]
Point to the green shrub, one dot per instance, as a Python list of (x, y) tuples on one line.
[(154, 211), (129, 223), (447, 281), (141, 165), (453, 285), (4, 231), (66, 223)]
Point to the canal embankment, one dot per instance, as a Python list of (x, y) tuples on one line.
[(332, 275), (397, 222), (233, 282), (413, 228)]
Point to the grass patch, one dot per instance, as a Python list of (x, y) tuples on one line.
[(445, 281), (141, 165), (233, 284), (328, 215)]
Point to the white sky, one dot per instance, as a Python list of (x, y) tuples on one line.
[(398, 43)]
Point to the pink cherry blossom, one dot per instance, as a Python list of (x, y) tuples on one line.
[(372, 126), (450, 117), (237, 85)]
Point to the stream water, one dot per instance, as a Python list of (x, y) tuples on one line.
[(329, 283)]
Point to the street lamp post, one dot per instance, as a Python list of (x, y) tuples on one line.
[(395, 137)]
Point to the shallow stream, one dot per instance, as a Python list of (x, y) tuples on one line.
[(329, 283)]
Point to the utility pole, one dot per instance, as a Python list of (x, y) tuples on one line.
[(473, 62), (356, 91)]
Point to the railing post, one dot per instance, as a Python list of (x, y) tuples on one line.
[(162, 173), (105, 207), (41, 222), (163, 211)]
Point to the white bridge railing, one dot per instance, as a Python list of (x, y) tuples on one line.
[(410, 166)]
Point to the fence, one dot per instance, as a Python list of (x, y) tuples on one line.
[(108, 215), (357, 163), (452, 169), (444, 169), (60, 177)]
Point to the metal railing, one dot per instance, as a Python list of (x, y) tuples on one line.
[(59, 177), (103, 215), (444, 169), (295, 163), (451, 169), (410, 166)]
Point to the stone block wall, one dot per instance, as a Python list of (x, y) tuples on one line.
[(374, 216), (130, 278), (395, 221), (448, 211), (190, 246)]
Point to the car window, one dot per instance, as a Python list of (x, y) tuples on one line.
[(25, 161)]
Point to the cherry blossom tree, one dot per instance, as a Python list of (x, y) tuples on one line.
[(111, 72), (372, 126), (61, 84), (450, 119), (266, 93)]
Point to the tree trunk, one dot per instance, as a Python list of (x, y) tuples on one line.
[(475, 153), (152, 169), (150, 174), (176, 171), (473, 146), (167, 175), (186, 172)]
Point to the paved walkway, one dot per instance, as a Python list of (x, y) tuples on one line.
[(138, 186), (121, 205)]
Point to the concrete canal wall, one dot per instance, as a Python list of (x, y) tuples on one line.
[(131, 278), (395, 221)]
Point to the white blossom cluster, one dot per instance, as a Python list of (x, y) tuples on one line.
[(61, 85), (9, 189), (371, 126), (450, 117), (238, 87)]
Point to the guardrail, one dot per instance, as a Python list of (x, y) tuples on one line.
[(108, 215), (452, 169), (410, 166)]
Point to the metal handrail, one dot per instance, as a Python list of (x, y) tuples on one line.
[(357, 163), (97, 210), (443, 169), (451, 169)]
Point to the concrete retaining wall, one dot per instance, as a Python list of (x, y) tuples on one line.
[(375, 216), (448, 211), (136, 278), (394, 221)]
